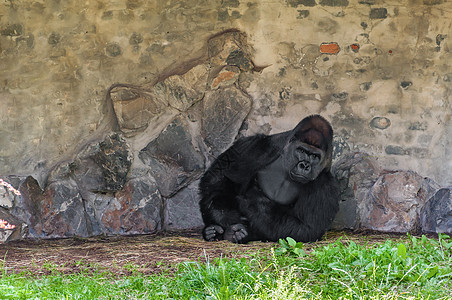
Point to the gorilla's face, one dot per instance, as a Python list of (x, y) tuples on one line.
[(303, 161), (309, 150)]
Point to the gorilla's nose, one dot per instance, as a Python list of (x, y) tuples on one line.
[(304, 166)]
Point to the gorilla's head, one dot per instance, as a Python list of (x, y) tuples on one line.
[(309, 149)]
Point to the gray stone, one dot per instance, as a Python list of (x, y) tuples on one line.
[(436, 214), (99, 167), (405, 84), (357, 173), (19, 230), (230, 3), (239, 59), (395, 150), (113, 49), (224, 111), (422, 126), (378, 13), (333, 2), (231, 49), (339, 96), (114, 158), (182, 91), (365, 86), (54, 38), (173, 158), (135, 39), (394, 202), (303, 14), (135, 210), (13, 30), (56, 212), (440, 38), (296, 3), (368, 2), (136, 107), (340, 147), (380, 123), (182, 210), (433, 2), (223, 15)]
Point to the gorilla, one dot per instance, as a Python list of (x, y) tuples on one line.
[(267, 187)]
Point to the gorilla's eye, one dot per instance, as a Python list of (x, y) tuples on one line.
[(314, 156), (302, 151)]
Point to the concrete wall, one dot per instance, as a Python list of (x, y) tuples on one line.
[(385, 87)]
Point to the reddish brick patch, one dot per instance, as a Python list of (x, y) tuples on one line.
[(329, 48), (223, 76), (355, 47)]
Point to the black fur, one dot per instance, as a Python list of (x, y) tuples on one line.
[(235, 206)]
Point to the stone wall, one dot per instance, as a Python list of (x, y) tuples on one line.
[(111, 111)]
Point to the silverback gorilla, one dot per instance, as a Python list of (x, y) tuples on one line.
[(267, 187)]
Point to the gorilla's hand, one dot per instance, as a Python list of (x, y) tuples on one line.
[(213, 233), (236, 233)]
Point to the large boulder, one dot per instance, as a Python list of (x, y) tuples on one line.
[(172, 158), (134, 210), (395, 200), (225, 109), (56, 212), (99, 167), (436, 215), (357, 172), (182, 210)]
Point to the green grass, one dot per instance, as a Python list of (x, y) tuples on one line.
[(415, 268)]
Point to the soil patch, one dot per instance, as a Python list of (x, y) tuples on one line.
[(147, 254)]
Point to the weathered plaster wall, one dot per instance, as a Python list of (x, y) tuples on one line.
[(394, 62), (380, 71)]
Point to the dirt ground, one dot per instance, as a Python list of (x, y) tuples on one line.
[(147, 254)]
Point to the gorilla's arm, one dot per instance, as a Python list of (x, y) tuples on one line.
[(229, 176), (304, 221)]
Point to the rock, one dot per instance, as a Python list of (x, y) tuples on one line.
[(135, 210), (6, 197), (56, 212), (378, 13), (230, 49), (333, 2), (182, 91), (12, 30), (357, 172), (225, 77), (113, 49), (99, 167), (224, 111), (436, 215), (394, 202), (173, 158), (135, 107), (182, 210), (380, 123), (19, 230)]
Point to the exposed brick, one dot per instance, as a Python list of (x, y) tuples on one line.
[(329, 48)]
